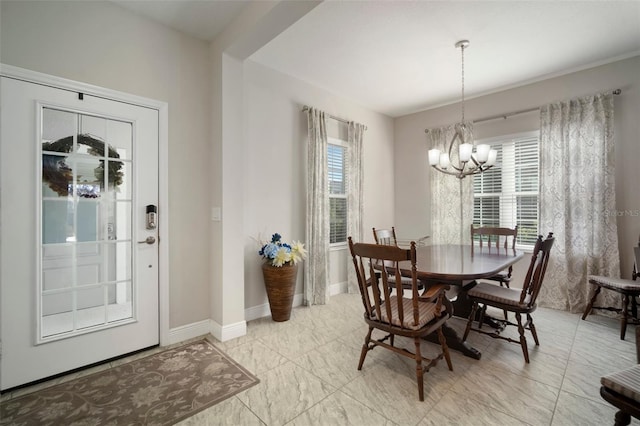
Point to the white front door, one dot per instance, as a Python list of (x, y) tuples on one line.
[(78, 251)]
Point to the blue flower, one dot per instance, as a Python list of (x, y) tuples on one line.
[(278, 253)]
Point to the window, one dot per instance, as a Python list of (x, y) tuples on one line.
[(507, 194), (337, 173)]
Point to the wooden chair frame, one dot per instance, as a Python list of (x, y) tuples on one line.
[(526, 303), (414, 317), (628, 312), (495, 236)]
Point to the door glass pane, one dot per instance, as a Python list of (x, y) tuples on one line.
[(86, 222), (90, 309), (57, 313), (120, 141), (120, 306)]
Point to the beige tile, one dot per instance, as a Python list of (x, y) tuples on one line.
[(284, 393), (583, 380), (296, 340), (456, 409), (230, 412), (528, 400), (256, 357), (340, 409), (335, 363), (391, 392), (574, 410), (542, 367)]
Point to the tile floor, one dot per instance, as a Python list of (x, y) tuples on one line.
[(308, 376)]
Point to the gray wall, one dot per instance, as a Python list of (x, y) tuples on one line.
[(103, 44), (412, 174)]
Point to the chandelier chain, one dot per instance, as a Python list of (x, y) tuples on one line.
[(462, 49)]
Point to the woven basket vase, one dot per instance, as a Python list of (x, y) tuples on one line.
[(280, 282)]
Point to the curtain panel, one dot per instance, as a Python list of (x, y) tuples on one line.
[(316, 268), (577, 193), (355, 196), (451, 198)]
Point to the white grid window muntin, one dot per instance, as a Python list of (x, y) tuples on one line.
[(337, 153), (507, 194)]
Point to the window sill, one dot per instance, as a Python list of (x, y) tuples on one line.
[(338, 246)]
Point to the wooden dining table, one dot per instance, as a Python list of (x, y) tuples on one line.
[(459, 266)]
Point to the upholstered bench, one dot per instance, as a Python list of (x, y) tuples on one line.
[(622, 389), (629, 289)]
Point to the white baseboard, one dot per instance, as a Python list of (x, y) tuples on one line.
[(189, 331), (338, 288), (228, 332), (200, 328)]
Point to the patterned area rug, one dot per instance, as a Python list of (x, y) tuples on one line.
[(160, 389)]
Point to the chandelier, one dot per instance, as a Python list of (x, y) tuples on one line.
[(466, 160)]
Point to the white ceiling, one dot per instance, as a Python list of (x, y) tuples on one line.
[(398, 57)]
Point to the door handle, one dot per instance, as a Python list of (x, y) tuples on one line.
[(148, 240)]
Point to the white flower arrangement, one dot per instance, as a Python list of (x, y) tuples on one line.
[(279, 253)]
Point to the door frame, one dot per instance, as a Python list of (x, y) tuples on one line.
[(163, 167)]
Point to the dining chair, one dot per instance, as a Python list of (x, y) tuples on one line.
[(415, 316), (513, 300), (622, 390), (496, 237), (629, 289), (388, 237)]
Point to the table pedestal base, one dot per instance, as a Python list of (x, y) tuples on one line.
[(454, 342)]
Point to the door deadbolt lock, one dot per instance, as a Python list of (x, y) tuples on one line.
[(148, 240), (152, 217)]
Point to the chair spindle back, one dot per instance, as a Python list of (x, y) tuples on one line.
[(376, 282), (537, 269)]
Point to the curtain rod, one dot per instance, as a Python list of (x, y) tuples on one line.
[(306, 108), (524, 111)]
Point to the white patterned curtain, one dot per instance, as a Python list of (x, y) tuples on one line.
[(577, 191), (451, 198), (355, 195), (316, 270)]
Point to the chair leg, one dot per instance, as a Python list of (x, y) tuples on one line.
[(483, 311), (622, 418), (419, 370), (625, 314), (365, 348), (587, 311), (445, 348), (533, 329), (474, 307), (523, 339)]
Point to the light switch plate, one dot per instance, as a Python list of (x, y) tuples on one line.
[(216, 214)]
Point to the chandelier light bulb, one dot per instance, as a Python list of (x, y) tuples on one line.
[(493, 154), (465, 152), (444, 161), (482, 153), (434, 157)]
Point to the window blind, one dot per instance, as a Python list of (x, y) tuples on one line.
[(337, 172), (507, 194)]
